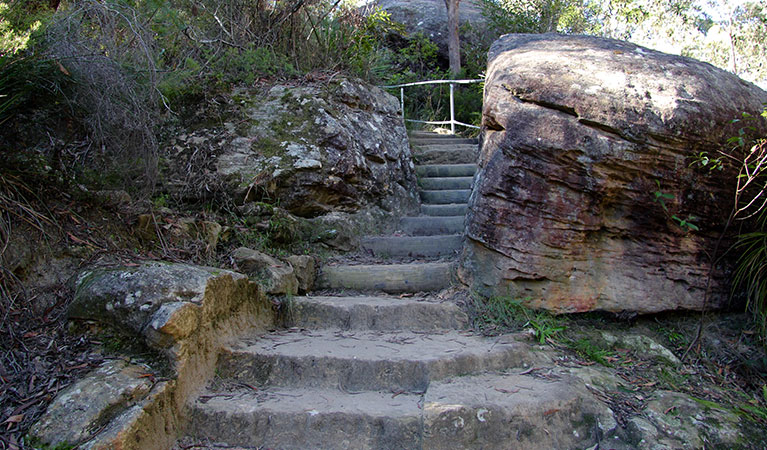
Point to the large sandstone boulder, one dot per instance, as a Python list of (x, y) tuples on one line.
[(312, 149), (588, 168), (185, 312)]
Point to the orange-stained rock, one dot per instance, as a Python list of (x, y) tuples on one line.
[(579, 133)]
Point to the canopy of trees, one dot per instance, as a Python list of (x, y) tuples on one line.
[(731, 34)]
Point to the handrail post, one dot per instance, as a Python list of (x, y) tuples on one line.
[(402, 101), (452, 109)]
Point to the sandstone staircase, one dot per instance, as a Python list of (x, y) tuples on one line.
[(378, 371), (445, 169)]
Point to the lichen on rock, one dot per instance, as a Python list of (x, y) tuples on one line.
[(313, 149), (186, 312)]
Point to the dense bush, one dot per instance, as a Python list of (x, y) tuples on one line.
[(107, 71)]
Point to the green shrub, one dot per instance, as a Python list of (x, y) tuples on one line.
[(751, 271), (504, 314)]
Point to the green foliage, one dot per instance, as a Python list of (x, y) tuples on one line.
[(285, 39), (687, 224), (503, 314), (751, 271), (660, 197), (540, 16), (750, 277), (703, 160), (592, 350)]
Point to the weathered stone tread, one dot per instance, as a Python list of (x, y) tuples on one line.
[(434, 183), (452, 209), (487, 411), (490, 411), (376, 313), (392, 278), (439, 140), (445, 196), (432, 226), (367, 360), (415, 246), (288, 419), (446, 170)]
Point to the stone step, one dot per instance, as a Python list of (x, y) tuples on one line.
[(439, 140), (491, 412), (437, 183), (376, 313), (299, 419), (366, 360), (446, 170), (431, 134), (413, 246), (446, 154), (453, 209), (432, 226), (394, 278), (445, 196)]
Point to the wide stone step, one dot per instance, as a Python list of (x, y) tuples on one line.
[(446, 170), (491, 412), (446, 154), (376, 313), (432, 226), (454, 209), (394, 278), (366, 360), (495, 411), (439, 140), (438, 183), (413, 246), (299, 419), (431, 134), (445, 196)]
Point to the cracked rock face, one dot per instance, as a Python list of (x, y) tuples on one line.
[(587, 169), (318, 148)]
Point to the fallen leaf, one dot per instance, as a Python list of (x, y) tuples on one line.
[(76, 240), (507, 391), (15, 419), (63, 69)]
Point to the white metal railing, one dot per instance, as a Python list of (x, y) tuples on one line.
[(452, 122)]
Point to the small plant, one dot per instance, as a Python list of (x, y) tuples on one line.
[(660, 197), (546, 326), (161, 201), (504, 314), (703, 160), (592, 351), (686, 224)]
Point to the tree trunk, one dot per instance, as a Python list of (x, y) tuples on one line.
[(453, 43)]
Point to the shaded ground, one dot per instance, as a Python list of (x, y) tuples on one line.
[(725, 368)]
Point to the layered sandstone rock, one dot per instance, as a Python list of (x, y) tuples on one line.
[(588, 166), (430, 18)]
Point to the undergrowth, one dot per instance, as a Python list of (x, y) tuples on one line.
[(501, 314)]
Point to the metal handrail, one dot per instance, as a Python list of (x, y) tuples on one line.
[(452, 83)]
